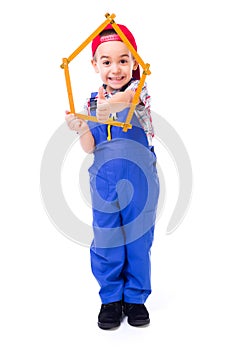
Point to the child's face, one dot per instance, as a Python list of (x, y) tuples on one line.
[(115, 63)]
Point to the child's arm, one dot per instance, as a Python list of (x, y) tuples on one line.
[(116, 103), (79, 125)]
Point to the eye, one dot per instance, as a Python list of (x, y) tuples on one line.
[(106, 63), (123, 61)]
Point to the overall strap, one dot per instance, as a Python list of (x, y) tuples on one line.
[(93, 102)]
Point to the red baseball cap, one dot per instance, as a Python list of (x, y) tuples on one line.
[(115, 37)]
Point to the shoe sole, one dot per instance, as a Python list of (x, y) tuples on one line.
[(138, 323), (107, 326)]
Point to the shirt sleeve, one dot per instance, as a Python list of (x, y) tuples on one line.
[(142, 110), (144, 95)]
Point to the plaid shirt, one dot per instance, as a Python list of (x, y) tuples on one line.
[(142, 110)]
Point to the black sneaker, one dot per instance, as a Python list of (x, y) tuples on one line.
[(137, 314), (110, 315)]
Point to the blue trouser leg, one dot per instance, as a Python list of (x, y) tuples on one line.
[(137, 270), (107, 266)]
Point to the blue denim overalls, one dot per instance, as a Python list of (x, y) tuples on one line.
[(124, 190)]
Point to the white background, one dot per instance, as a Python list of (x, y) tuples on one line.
[(49, 298)]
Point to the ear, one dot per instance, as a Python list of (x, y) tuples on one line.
[(94, 64), (135, 65)]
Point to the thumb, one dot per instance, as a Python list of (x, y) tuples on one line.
[(101, 93)]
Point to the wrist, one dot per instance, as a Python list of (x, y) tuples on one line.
[(83, 130)]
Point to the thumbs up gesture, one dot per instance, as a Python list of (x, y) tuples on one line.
[(103, 106)]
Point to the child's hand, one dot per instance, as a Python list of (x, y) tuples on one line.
[(76, 124), (103, 106)]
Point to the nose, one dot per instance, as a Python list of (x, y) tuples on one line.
[(115, 68)]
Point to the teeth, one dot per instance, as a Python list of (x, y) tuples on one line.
[(116, 78)]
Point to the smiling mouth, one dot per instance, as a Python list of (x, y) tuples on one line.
[(116, 79)]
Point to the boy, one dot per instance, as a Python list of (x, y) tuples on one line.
[(124, 183)]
